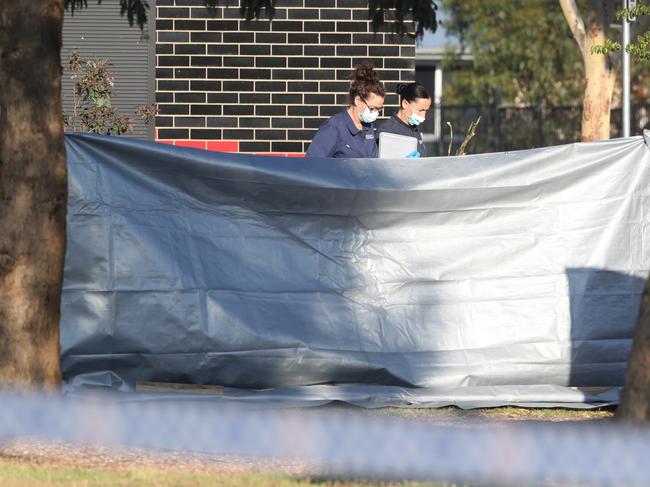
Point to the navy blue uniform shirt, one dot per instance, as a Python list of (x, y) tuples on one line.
[(394, 125), (340, 137)]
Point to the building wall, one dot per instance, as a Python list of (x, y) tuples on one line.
[(223, 83)]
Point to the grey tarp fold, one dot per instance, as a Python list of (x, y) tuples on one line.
[(437, 279)]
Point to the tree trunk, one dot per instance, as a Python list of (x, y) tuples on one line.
[(599, 88), (635, 399), (590, 30), (33, 192)]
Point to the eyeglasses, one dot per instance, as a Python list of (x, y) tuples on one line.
[(372, 108)]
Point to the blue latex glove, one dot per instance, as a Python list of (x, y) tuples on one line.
[(413, 154)]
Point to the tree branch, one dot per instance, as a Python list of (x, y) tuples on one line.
[(403, 17), (576, 24)]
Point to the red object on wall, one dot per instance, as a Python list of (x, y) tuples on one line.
[(223, 146), (197, 144)]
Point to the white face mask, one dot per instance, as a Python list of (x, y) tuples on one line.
[(368, 116), (414, 119)]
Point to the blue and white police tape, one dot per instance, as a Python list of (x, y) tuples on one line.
[(357, 444)]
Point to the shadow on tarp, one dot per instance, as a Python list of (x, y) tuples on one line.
[(196, 267), (328, 280), (604, 309)]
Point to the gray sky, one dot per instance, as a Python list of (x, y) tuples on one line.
[(437, 39)]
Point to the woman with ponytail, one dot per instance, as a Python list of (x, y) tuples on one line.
[(414, 103), (351, 133)]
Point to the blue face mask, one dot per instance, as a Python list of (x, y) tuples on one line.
[(414, 119), (368, 116)]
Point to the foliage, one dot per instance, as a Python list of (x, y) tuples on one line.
[(523, 53), (640, 48), (92, 110), (135, 10), (423, 12), (632, 13), (471, 132), (395, 14), (608, 47), (147, 113)]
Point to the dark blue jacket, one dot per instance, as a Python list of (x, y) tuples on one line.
[(339, 137)]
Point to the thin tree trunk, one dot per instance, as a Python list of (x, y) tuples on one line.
[(635, 399), (33, 192), (589, 30), (599, 88)]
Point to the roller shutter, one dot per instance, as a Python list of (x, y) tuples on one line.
[(100, 31)]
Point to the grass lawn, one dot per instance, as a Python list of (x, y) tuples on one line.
[(44, 465), (19, 474)]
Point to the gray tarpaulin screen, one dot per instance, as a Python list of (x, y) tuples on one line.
[(476, 280)]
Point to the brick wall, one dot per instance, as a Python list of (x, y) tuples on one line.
[(265, 87)]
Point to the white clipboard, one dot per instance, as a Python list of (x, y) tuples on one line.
[(395, 146)]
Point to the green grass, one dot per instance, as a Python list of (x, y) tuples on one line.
[(19, 474)]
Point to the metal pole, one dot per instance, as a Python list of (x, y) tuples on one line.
[(626, 70), (437, 107)]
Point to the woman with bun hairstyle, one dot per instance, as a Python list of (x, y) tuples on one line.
[(351, 133), (414, 102)]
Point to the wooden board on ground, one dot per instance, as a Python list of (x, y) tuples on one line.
[(592, 390), (178, 388)]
